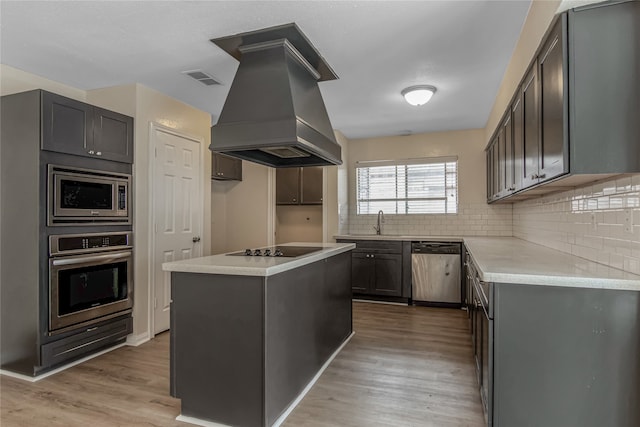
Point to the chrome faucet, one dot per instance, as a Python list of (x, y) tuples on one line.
[(378, 228)]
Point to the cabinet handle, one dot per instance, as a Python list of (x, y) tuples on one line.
[(294, 200), (99, 153), (221, 173), (91, 152), (542, 176), (371, 255)]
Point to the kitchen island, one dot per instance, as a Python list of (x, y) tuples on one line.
[(250, 335)]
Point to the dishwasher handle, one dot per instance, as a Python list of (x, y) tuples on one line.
[(435, 248)]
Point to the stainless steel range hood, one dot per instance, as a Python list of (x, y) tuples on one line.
[(274, 113)]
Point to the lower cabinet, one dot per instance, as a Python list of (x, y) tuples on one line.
[(378, 268), (555, 356), (376, 273)]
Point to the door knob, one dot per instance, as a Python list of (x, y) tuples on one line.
[(196, 239)]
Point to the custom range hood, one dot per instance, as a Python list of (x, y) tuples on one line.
[(274, 113)]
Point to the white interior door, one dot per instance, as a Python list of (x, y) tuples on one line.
[(177, 212)]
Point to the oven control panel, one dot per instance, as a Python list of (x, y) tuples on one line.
[(78, 243)]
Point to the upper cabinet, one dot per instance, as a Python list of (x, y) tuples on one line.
[(226, 168), (574, 116), (73, 127), (299, 186)]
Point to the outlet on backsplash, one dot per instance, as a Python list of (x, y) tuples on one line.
[(628, 221)]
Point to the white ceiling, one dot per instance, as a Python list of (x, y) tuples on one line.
[(376, 48)]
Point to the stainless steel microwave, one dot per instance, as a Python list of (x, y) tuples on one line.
[(84, 196)]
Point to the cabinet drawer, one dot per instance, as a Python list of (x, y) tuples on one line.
[(376, 246), (85, 342)]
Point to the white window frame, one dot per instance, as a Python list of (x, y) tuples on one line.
[(449, 208)]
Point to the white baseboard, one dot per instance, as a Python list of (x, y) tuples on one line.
[(136, 340), (199, 422), (60, 369), (304, 392), (292, 406), (380, 302)]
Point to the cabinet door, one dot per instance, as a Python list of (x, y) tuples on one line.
[(388, 274), (226, 168), (553, 144), (509, 181), (490, 172), (288, 186), (495, 161), (518, 142), (362, 270), (66, 125), (112, 136), (502, 163), (311, 184), (530, 115)]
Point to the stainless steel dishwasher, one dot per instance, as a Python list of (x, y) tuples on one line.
[(435, 274)]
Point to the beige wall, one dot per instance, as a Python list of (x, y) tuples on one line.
[(541, 13), (336, 194), (474, 216), (245, 210), (298, 224), (13, 80), (467, 145)]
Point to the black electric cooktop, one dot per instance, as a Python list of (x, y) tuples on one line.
[(279, 251)]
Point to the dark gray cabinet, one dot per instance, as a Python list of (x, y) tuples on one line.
[(74, 127), (501, 161), (299, 186), (377, 268), (225, 168), (563, 132)]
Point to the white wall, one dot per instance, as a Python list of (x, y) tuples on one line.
[(474, 218)]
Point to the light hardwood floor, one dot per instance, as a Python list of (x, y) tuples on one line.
[(406, 366)]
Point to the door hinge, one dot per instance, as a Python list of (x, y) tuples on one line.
[(155, 227), (156, 151), (155, 303)]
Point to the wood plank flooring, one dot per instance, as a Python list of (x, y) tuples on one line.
[(406, 366)]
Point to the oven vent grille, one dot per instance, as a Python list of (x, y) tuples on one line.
[(202, 77)]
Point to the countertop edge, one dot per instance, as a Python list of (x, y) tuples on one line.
[(192, 265)]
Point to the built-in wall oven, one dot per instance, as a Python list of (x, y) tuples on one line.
[(87, 197), (90, 279)]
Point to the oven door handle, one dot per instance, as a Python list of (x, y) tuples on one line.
[(93, 258)]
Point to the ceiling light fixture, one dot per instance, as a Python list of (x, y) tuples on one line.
[(418, 95)]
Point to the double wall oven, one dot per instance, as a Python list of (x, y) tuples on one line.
[(90, 261)]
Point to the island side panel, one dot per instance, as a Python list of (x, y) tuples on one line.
[(217, 347), (308, 316), (566, 357)]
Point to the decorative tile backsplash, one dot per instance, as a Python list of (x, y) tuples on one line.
[(600, 222), (471, 220)]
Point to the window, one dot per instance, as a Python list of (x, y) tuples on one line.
[(420, 186)]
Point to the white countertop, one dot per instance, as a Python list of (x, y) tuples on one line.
[(512, 260), (414, 238), (255, 266)]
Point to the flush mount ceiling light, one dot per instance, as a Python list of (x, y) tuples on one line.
[(418, 95)]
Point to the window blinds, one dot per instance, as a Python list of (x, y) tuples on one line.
[(429, 187)]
